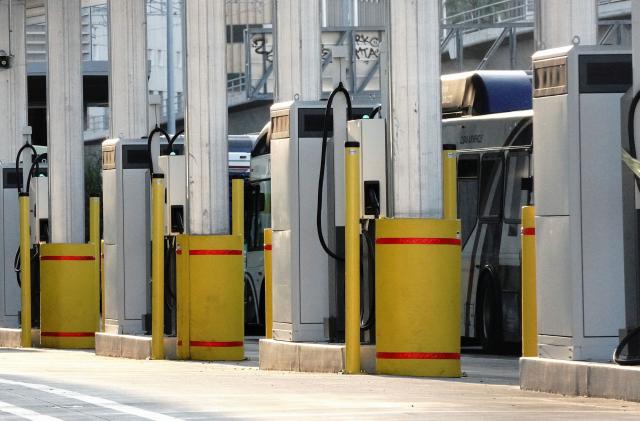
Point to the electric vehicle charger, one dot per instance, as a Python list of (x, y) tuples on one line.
[(170, 243), (368, 231), (34, 253)]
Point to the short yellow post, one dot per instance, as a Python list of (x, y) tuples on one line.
[(268, 291), (352, 256), (94, 236), (157, 267), (450, 182), (237, 211), (529, 305), (103, 301), (25, 272)]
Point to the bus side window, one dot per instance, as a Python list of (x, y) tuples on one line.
[(515, 198), (468, 193), (491, 186)]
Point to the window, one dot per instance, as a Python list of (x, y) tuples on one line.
[(468, 193), (491, 185), (515, 198), (257, 214)]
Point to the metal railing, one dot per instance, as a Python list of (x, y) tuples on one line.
[(237, 84), (497, 12)]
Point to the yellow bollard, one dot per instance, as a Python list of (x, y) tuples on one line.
[(418, 264), (69, 297), (94, 234), (157, 267), (529, 305), (25, 283), (450, 182), (94, 237), (103, 301), (268, 285), (183, 294), (237, 211), (352, 256)]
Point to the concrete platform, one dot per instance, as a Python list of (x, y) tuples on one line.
[(131, 346), (575, 378), (311, 357), (78, 385), (10, 338)]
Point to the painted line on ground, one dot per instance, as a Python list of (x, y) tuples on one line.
[(93, 400), (25, 413)]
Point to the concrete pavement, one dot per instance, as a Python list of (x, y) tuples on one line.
[(77, 385)]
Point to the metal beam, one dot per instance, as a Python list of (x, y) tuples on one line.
[(375, 68), (329, 57), (262, 82), (450, 33), (494, 47)]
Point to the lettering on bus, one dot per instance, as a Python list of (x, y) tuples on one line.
[(471, 139)]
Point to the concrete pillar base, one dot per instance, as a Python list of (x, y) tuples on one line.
[(577, 378), (10, 338), (131, 346), (311, 357)]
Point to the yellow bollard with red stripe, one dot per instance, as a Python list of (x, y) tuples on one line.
[(69, 295), (210, 297), (70, 290), (268, 285), (529, 304), (418, 297)]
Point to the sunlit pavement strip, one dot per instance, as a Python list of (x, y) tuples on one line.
[(92, 400), (25, 413)]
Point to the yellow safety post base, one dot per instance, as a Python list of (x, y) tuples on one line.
[(210, 288), (418, 297), (94, 239), (268, 285), (69, 296), (529, 305), (25, 272), (352, 257), (157, 266)]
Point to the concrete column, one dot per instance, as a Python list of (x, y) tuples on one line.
[(298, 50), (635, 44), (562, 23), (206, 117), (414, 123), (128, 92), (13, 81), (64, 115)]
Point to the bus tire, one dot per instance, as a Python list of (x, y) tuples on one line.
[(489, 315)]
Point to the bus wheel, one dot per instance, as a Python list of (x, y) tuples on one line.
[(489, 316)]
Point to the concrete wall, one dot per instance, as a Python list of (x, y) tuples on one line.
[(249, 119)]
